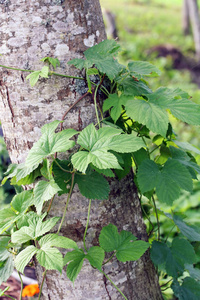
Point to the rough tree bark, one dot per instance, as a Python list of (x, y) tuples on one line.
[(31, 30), (195, 22)]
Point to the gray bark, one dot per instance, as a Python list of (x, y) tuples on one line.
[(185, 18), (64, 29), (195, 22)]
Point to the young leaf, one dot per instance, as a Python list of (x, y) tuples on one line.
[(50, 143), (23, 258), (116, 103), (75, 259), (44, 191), (44, 72), (51, 60), (93, 185), (34, 77), (96, 257)]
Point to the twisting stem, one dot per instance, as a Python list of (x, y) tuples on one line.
[(43, 278), (86, 228), (63, 117), (68, 198), (50, 204), (20, 298), (114, 285), (64, 170), (95, 105), (154, 203), (16, 69), (67, 76)]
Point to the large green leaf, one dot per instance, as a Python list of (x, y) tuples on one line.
[(124, 243), (93, 185), (6, 269), (98, 143), (139, 69), (49, 143), (44, 191), (168, 180), (22, 201), (50, 258), (179, 104), (159, 252), (96, 256), (23, 258), (149, 114), (189, 290), (181, 253), (75, 259)]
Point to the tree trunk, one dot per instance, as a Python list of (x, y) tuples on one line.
[(194, 19), (185, 18), (64, 29)]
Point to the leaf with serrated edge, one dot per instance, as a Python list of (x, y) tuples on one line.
[(22, 201), (149, 114), (50, 258), (147, 175), (139, 69), (76, 259), (54, 240), (190, 232), (96, 256), (49, 143), (44, 191), (23, 258), (93, 186)]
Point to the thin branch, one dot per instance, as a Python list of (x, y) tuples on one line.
[(74, 104), (43, 278), (68, 198), (115, 286), (154, 203)]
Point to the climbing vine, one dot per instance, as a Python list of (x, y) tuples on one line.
[(132, 131)]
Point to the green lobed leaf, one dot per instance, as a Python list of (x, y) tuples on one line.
[(50, 258), (147, 175), (22, 201), (4, 254), (44, 72), (51, 60), (149, 114), (34, 77), (139, 69), (55, 240), (124, 243), (167, 189), (93, 185), (96, 257), (23, 258), (75, 259), (44, 191), (50, 143), (159, 252), (134, 88)]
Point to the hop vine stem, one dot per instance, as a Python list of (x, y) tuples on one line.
[(86, 228)]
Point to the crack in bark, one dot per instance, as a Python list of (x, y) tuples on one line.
[(9, 103), (105, 283)]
